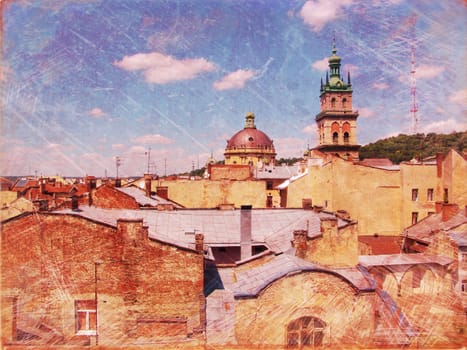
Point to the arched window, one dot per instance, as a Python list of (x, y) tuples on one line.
[(346, 131), (346, 138), (305, 331), (344, 102), (335, 137), (333, 102)]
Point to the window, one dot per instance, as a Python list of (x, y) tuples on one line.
[(464, 260), (85, 317), (446, 195), (346, 138), (333, 102), (429, 195), (415, 194), (305, 331), (344, 102), (335, 137), (464, 286), (269, 185), (414, 217)]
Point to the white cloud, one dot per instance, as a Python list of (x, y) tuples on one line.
[(317, 13), (118, 146), (152, 139), (353, 69), (159, 68), (366, 112), (139, 150), (444, 126), (381, 86), (234, 80), (289, 147), (459, 97), (54, 146), (97, 113), (310, 129), (426, 72), (321, 65)]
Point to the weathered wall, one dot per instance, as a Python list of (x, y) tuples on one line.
[(50, 261), (264, 320), (108, 197), (370, 195), (420, 177), (229, 172), (336, 247), (210, 194), (453, 178)]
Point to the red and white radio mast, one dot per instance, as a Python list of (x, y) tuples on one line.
[(413, 95)]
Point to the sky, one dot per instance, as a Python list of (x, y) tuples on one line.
[(160, 85)]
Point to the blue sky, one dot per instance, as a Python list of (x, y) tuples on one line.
[(87, 81)]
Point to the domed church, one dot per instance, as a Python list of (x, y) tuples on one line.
[(250, 146)]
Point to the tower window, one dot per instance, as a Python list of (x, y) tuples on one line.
[(335, 137), (333, 102), (346, 138), (344, 102)]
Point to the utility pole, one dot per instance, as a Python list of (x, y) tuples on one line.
[(148, 153), (413, 95), (118, 162)]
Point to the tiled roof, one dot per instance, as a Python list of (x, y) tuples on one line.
[(274, 227), (249, 283), (426, 229), (402, 259), (141, 198)]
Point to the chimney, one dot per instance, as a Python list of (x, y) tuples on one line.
[(163, 192), (307, 203), (199, 242), (448, 211), (245, 232), (74, 203), (91, 183), (300, 243), (132, 234), (439, 164), (147, 184)]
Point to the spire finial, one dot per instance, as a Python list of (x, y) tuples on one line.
[(334, 50)]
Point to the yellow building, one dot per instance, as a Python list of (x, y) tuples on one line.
[(250, 146)]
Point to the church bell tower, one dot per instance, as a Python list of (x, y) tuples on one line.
[(337, 122)]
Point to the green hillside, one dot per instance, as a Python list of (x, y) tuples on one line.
[(406, 147)]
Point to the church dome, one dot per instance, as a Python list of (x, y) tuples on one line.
[(250, 138), (250, 145)]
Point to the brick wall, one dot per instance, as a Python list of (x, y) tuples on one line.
[(108, 197), (51, 261)]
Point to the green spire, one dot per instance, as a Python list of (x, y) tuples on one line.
[(334, 79)]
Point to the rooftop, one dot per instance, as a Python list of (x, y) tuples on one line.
[(272, 227), (402, 259)]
